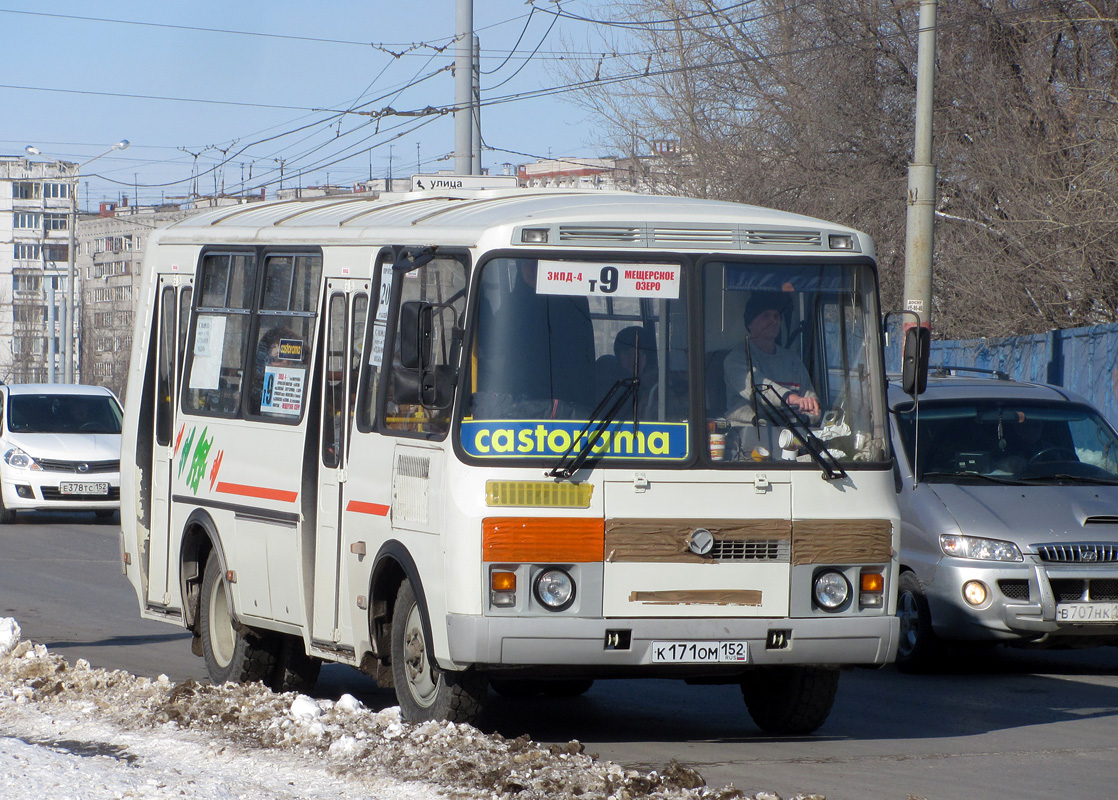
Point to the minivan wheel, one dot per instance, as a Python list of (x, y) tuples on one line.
[(918, 647)]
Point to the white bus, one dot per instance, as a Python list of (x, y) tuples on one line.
[(514, 439)]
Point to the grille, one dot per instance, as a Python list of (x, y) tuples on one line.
[(710, 236), (1078, 553), (762, 238), (50, 465), (574, 233), (1074, 590), (750, 550), (1015, 589), (52, 493)]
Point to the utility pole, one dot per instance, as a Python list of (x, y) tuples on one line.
[(475, 106), (919, 230), (463, 87)]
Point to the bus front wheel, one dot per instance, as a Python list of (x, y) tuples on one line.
[(790, 700), (231, 651), (425, 691)]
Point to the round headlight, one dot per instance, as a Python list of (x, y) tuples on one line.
[(555, 589), (831, 590), (974, 592)]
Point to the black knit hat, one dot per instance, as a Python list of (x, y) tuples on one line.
[(762, 301)]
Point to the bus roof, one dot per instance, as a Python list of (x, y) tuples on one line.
[(588, 218)]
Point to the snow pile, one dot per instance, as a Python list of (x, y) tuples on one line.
[(354, 748)]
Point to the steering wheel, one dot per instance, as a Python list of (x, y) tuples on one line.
[(1039, 458), (90, 426)]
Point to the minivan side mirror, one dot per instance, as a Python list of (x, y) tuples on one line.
[(914, 362)]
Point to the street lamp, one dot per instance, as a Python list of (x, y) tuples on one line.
[(75, 173)]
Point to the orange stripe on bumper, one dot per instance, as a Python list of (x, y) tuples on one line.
[(535, 539), (259, 492), (361, 507)]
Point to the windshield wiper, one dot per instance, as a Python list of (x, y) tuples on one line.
[(791, 418), (623, 388), (971, 474), (1064, 477)]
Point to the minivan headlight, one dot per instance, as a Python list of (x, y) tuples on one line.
[(19, 459), (980, 549)]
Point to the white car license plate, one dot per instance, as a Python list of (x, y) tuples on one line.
[(712, 652), (83, 488), (1087, 612)]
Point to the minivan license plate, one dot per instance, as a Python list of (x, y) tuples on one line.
[(83, 488), (685, 652), (1087, 612)]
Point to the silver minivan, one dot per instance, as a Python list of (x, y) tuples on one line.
[(1008, 495)]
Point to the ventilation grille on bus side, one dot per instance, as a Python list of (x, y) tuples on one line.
[(728, 237)]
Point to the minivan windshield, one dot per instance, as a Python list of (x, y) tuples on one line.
[(63, 413), (1016, 441)]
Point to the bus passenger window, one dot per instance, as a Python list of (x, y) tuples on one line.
[(284, 334), (219, 336)]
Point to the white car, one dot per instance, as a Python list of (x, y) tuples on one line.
[(59, 449)]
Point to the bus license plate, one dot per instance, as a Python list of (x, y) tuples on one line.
[(1087, 612), (83, 488), (710, 652)]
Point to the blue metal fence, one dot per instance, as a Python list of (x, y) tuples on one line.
[(1084, 360)]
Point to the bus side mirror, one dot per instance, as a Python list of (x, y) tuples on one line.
[(416, 326), (914, 363)]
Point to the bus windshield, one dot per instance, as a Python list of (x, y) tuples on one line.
[(569, 351)]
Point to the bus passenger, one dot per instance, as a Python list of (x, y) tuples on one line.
[(766, 361)]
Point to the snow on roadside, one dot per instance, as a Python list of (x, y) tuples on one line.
[(74, 731)]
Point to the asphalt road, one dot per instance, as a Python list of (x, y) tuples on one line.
[(1021, 725)]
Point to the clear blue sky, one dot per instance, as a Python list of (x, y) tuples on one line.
[(72, 86)]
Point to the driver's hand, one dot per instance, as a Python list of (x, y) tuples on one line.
[(808, 405)]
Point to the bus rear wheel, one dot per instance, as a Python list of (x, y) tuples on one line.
[(231, 651), (790, 701), (424, 691)]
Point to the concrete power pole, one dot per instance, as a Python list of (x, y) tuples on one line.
[(920, 226), (463, 87)]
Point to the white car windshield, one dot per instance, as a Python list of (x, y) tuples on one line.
[(63, 413)]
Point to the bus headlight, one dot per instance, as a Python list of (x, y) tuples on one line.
[(554, 589), (831, 590)]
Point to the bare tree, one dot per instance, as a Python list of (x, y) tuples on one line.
[(809, 107)]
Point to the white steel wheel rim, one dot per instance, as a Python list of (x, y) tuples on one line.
[(909, 615), (422, 683), (222, 639)]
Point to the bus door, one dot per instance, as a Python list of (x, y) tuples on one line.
[(347, 306), (171, 324)]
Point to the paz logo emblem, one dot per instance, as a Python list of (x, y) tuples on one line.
[(701, 541)]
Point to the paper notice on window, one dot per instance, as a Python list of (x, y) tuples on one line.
[(282, 392), (376, 355), (209, 344)]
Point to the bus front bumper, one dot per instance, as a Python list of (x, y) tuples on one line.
[(593, 643)]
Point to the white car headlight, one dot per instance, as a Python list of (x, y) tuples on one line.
[(19, 459), (981, 549)]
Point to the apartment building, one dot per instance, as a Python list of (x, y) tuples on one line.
[(110, 252), (36, 212)]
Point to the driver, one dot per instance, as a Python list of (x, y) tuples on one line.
[(766, 361)]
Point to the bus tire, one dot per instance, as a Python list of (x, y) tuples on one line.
[(790, 701), (567, 687), (424, 691), (296, 671), (231, 651)]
